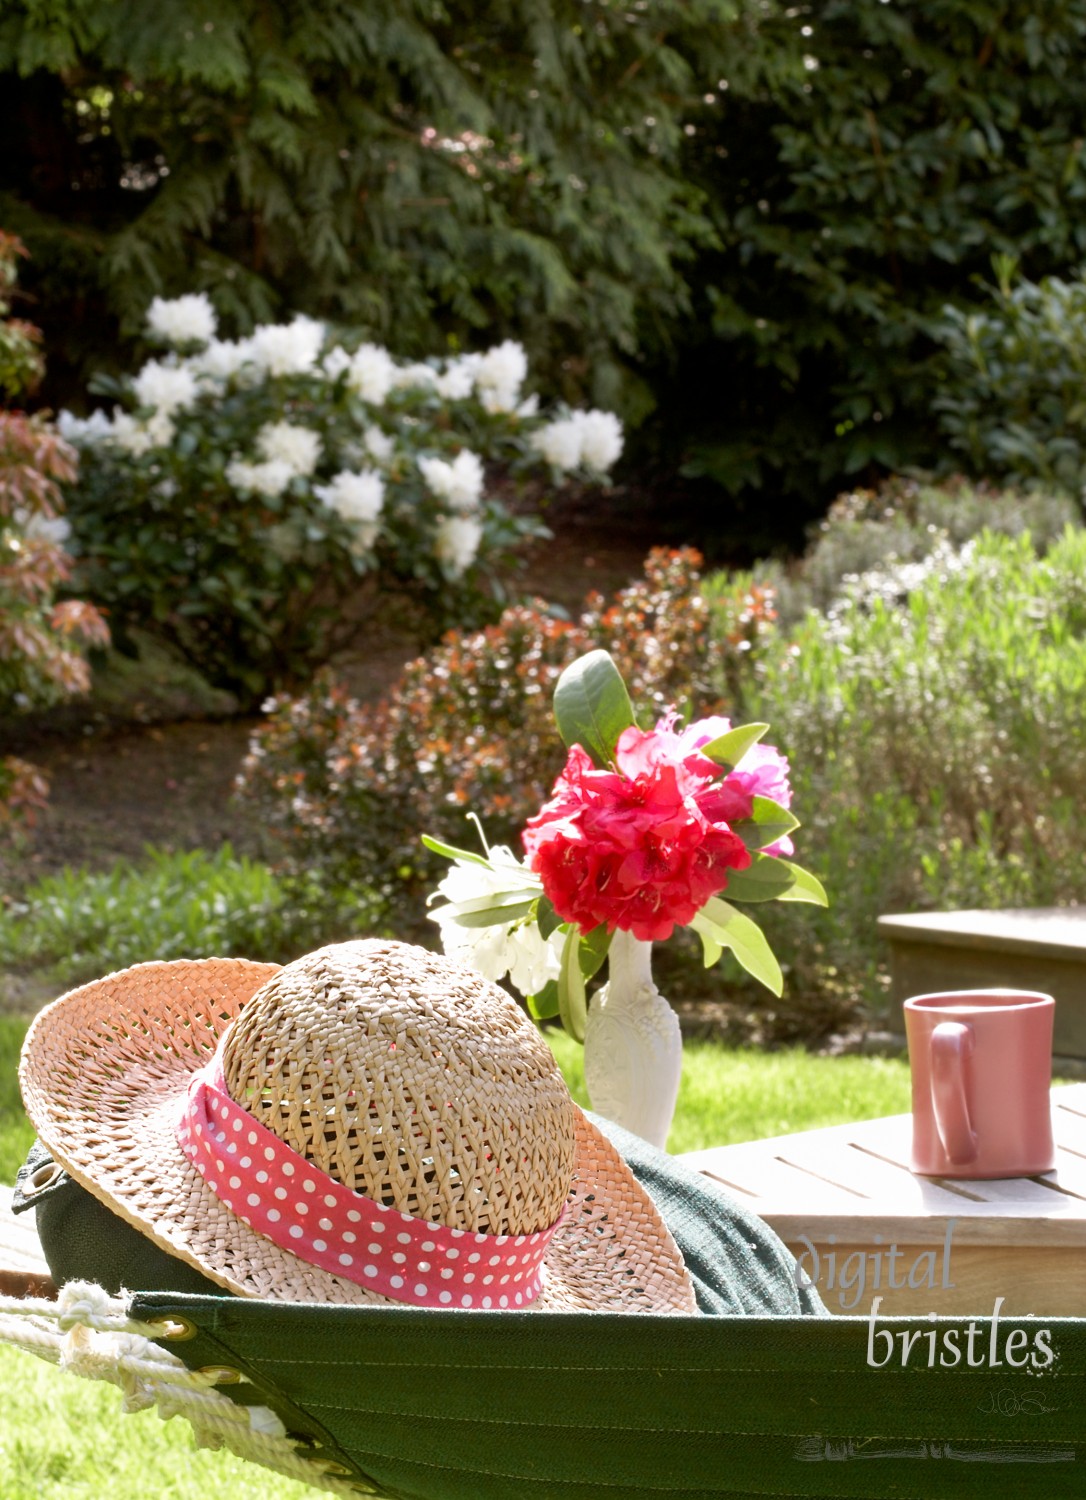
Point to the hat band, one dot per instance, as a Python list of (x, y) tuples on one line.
[(275, 1191)]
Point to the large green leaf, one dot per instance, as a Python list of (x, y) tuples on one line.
[(728, 749), (594, 949), (572, 1001), (720, 926), (592, 706), (545, 1004), (452, 853), (768, 878), (768, 822)]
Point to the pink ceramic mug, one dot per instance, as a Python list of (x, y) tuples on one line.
[(981, 1069)]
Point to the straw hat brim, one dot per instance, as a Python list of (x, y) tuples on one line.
[(104, 1070)]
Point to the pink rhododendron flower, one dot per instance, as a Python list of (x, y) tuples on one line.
[(644, 846), (762, 772)]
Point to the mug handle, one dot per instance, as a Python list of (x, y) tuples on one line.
[(951, 1043)]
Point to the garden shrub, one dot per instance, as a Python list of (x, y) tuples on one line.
[(41, 660), (346, 790), (1013, 403), (78, 924), (252, 499), (900, 522), (937, 746)]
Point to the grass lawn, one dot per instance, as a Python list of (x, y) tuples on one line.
[(63, 1438)]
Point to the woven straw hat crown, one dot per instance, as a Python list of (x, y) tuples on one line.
[(410, 1081)]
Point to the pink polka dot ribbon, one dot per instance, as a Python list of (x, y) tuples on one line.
[(301, 1209)]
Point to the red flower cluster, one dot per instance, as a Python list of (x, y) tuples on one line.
[(644, 846)]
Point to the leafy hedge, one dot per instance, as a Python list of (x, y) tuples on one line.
[(935, 720), (782, 197)]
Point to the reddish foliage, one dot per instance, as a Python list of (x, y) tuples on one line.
[(469, 727)]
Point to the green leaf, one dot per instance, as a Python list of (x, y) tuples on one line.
[(768, 822), (728, 749), (450, 853), (592, 706), (593, 951), (720, 926), (768, 878), (765, 879), (547, 919), (572, 1002), (545, 1004), (489, 910), (807, 887)]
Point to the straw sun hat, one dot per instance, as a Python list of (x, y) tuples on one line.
[(372, 1123)]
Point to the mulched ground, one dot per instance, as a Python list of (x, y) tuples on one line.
[(118, 784)]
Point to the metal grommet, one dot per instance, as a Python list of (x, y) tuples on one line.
[(333, 1468), (223, 1374), (42, 1177), (174, 1327)]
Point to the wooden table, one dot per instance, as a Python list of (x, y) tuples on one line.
[(847, 1206)]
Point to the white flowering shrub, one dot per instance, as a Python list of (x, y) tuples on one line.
[(241, 492)]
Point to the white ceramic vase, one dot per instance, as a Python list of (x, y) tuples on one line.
[(632, 1045)]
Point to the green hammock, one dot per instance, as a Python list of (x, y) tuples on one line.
[(760, 1395)]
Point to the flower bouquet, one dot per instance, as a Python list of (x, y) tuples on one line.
[(644, 830)]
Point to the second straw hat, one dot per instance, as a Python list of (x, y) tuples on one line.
[(370, 1123)]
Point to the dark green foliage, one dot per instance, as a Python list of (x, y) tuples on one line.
[(781, 198), (1014, 401), (866, 161), (415, 169)]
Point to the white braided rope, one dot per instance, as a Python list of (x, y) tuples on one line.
[(89, 1333)]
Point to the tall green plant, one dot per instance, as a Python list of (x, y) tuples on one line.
[(940, 741)]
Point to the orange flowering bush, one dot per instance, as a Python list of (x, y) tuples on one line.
[(344, 788), (41, 659)]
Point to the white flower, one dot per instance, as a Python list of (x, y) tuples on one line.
[(414, 375), (559, 443), (288, 348), (456, 541), (457, 382), (355, 497), (601, 439), (84, 431), (335, 362), (500, 375), (378, 444), (589, 438), (39, 528), (460, 483), (137, 438), (269, 478), (515, 948), (165, 388), (222, 359), (529, 407), (371, 372), (183, 320), (286, 443)]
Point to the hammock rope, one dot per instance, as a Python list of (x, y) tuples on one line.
[(89, 1333)]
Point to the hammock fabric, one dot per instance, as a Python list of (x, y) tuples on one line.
[(769, 1401)]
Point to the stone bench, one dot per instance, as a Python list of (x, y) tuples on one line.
[(1042, 948)]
